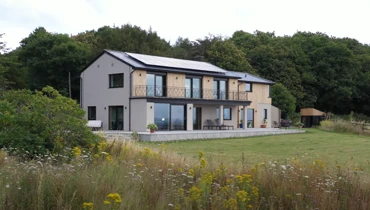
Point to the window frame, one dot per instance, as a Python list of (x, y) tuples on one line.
[(218, 113), (250, 89), (111, 76), (265, 114), (89, 113), (230, 113)]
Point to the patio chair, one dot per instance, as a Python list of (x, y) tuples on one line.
[(210, 125), (223, 127), (276, 124)]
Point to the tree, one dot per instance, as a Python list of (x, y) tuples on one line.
[(41, 123), (283, 99), (3, 70), (226, 55), (50, 58)]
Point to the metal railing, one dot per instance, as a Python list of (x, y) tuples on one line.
[(178, 92)]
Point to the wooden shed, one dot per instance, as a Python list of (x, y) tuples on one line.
[(311, 117)]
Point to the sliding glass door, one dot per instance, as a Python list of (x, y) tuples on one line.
[(169, 117), (219, 89)]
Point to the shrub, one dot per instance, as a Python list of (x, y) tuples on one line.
[(342, 126), (42, 122)]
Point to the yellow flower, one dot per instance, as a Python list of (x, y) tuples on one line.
[(195, 193), (231, 204), (88, 205), (96, 156), (76, 151), (242, 195), (106, 202), (180, 192), (177, 207), (115, 197), (108, 157), (255, 192), (179, 169), (139, 164), (203, 163), (191, 172), (200, 154), (356, 169), (147, 151), (319, 163), (102, 145)]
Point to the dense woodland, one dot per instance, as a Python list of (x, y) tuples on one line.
[(328, 73)]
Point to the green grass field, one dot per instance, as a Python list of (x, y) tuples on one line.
[(333, 148)]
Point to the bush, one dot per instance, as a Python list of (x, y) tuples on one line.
[(42, 122), (342, 126)]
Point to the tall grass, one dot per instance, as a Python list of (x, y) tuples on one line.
[(126, 176), (344, 126)]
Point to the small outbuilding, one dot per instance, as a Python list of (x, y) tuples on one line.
[(311, 117)]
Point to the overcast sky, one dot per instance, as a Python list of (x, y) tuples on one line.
[(191, 18)]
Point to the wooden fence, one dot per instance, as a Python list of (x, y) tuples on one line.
[(363, 126)]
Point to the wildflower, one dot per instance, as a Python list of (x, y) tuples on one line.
[(170, 205), (356, 169), (139, 164), (179, 169), (318, 163), (203, 163), (147, 151), (96, 156), (255, 192), (76, 151), (305, 177), (195, 193), (108, 157), (102, 145), (191, 172), (231, 204), (115, 197), (180, 191), (242, 195), (88, 205), (177, 207), (200, 154), (106, 202)]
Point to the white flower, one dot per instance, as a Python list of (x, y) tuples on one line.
[(306, 177), (283, 167), (7, 186)]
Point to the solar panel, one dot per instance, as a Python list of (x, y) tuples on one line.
[(176, 63)]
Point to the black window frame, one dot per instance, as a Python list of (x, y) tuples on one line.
[(251, 87), (230, 113), (265, 113), (162, 88), (218, 113), (218, 91), (90, 113), (110, 80), (191, 77)]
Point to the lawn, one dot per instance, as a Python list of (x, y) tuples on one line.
[(333, 148)]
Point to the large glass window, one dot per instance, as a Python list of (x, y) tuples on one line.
[(169, 117), (91, 113), (219, 89), (192, 88), (116, 80), (155, 85), (227, 113), (177, 117), (162, 116)]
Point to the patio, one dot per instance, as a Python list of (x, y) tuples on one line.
[(160, 136)]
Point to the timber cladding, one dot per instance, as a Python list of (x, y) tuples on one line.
[(176, 83), (207, 84), (139, 79)]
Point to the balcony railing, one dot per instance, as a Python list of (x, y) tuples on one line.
[(197, 93)]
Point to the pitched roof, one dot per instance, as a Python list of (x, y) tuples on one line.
[(247, 77), (157, 63)]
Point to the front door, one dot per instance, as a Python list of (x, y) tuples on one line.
[(197, 118), (116, 118)]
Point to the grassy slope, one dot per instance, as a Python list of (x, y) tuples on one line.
[(333, 148)]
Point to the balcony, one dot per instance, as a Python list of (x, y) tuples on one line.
[(194, 93)]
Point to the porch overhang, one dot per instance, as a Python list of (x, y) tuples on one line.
[(195, 101)]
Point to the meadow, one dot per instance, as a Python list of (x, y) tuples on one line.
[(131, 175)]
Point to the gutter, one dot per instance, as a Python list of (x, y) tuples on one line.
[(129, 100)]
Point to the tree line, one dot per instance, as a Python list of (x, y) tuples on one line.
[(313, 69)]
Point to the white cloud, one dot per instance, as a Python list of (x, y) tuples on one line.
[(192, 18)]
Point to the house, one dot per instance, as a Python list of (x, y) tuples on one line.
[(127, 91), (311, 117)]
